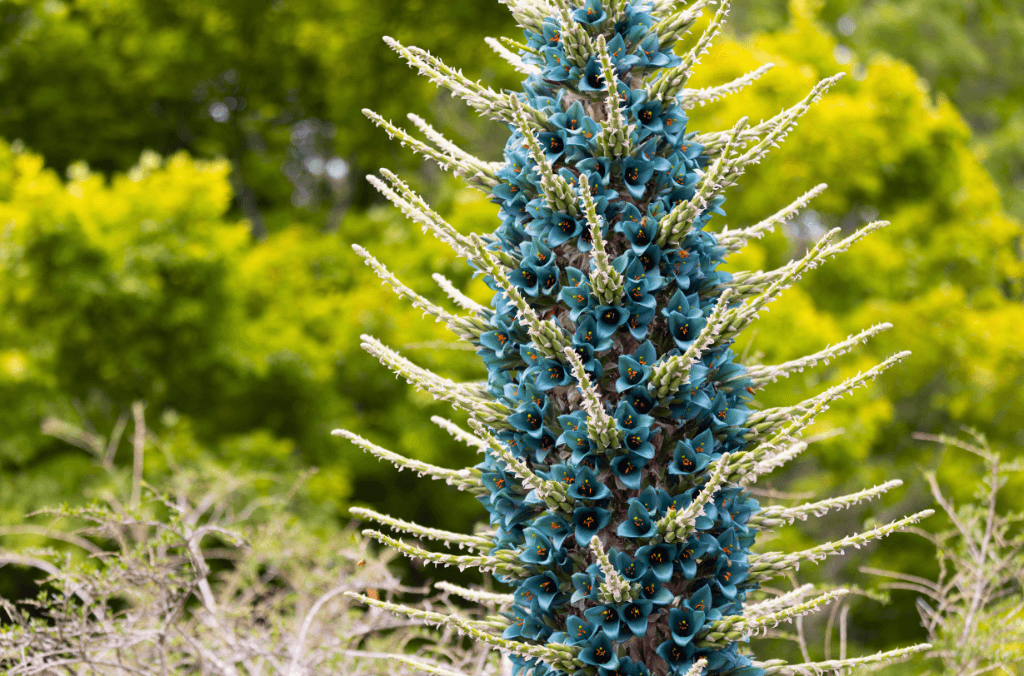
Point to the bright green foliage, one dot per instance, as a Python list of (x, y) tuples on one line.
[(967, 50), (141, 289)]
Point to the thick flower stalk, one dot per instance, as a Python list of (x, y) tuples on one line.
[(614, 421)]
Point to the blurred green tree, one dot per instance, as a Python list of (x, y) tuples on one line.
[(271, 86), (967, 50), (143, 289)]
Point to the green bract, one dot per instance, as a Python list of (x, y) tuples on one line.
[(614, 421)]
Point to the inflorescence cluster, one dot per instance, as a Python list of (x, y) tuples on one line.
[(617, 439)]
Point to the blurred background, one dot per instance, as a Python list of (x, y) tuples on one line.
[(180, 183)]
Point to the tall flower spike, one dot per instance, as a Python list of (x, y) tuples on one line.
[(614, 424)]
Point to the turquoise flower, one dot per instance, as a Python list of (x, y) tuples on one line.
[(555, 527), (636, 171), (528, 418), (627, 418), (637, 442), (591, 14), (574, 436), (631, 569), (660, 559), (639, 322), (587, 521), (587, 334), (685, 329), (635, 616), (609, 319), (553, 144), (587, 487), (599, 651), (564, 227), (653, 591), (608, 620), (723, 415), (552, 374), (543, 587), (648, 55), (631, 374), (728, 575), (576, 631), (684, 623), (538, 549), (688, 457), (585, 586), (677, 656), (638, 523), (628, 667), (648, 115), (593, 78), (640, 234), (628, 469)]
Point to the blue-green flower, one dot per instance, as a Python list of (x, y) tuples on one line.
[(593, 78), (640, 318), (653, 591), (529, 419), (684, 623), (728, 575), (660, 559), (576, 631), (688, 456), (599, 652), (630, 568), (585, 586), (628, 469), (544, 587), (538, 549), (638, 523), (587, 487), (635, 615), (590, 14), (588, 333), (555, 527), (677, 656), (631, 374), (552, 374), (640, 234), (627, 667), (627, 418), (587, 521), (684, 330), (635, 174), (722, 415), (637, 442), (609, 319), (564, 227), (648, 114), (608, 620)]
